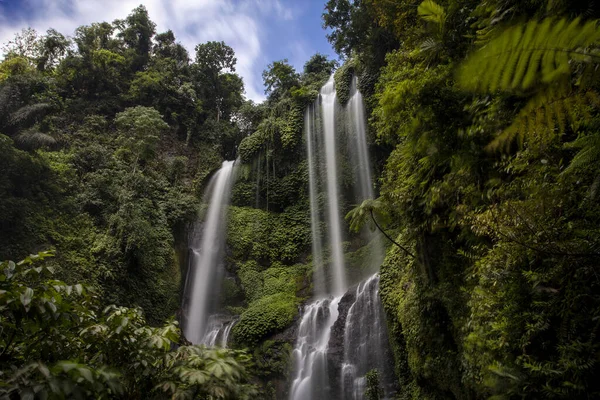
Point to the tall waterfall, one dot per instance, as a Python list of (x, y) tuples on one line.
[(328, 104), (205, 273), (324, 365), (359, 154)]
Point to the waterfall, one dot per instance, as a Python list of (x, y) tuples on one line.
[(328, 105), (341, 336), (205, 274), (217, 331), (359, 154), (365, 342), (310, 353), (358, 147)]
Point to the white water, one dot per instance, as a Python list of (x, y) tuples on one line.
[(312, 377), (365, 339), (359, 153), (310, 354), (204, 274), (328, 104), (217, 331), (356, 115)]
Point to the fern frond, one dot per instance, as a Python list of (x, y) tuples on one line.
[(587, 156), (526, 54), (430, 11), (547, 114)]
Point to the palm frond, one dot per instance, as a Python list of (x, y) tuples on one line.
[(27, 115), (430, 11), (526, 54), (32, 140)]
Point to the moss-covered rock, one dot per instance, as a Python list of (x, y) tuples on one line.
[(265, 316)]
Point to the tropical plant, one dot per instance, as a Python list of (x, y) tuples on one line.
[(371, 210), (58, 343), (553, 62)]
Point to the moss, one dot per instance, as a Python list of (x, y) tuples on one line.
[(265, 316), (343, 81), (259, 235), (423, 336)]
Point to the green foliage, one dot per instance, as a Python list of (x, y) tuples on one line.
[(343, 81), (539, 57), (373, 390), (527, 54), (141, 128), (265, 316), (279, 77), (430, 11), (255, 234), (361, 214), (58, 343)]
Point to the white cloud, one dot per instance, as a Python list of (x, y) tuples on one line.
[(241, 24)]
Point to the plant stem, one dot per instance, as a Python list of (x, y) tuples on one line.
[(388, 236)]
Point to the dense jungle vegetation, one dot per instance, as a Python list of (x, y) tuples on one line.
[(485, 135)]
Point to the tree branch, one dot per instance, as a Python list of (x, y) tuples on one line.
[(388, 236)]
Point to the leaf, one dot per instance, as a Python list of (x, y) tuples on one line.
[(26, 297), (430, 11), (87, 374), (525, 54)]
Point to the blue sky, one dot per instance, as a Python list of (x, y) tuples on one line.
[(260, 31)]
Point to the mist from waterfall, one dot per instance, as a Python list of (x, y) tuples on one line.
[(205, 273)]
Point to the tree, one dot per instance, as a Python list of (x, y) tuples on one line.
[(214, 60), (320, 64), (167, 48), (140, 129), (372, 210), (279, 77), (137, 31), (53, 48), (25, 44)]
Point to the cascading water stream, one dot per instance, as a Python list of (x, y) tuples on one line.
[(359, 150), (204, 276), (328, 105), (365, 342), (320, 371), (310, 354), (217, 332)]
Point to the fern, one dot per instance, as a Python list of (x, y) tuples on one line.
[(588, 155), (527, 54), (430, 11), (547, 113), (539, 59)]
